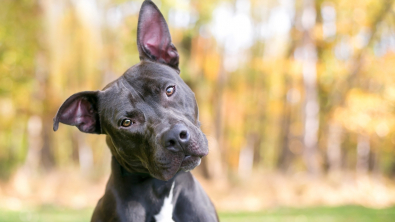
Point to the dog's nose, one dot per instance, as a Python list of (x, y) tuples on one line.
[(176, 138)]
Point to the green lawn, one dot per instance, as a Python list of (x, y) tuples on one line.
[(46, 214), (316, 214)]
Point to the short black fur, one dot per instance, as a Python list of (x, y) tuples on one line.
[(161, 145)]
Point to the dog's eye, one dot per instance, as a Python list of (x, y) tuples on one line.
[(170, 90), (127, 122)]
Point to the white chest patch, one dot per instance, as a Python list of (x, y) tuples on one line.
[(166, 212)]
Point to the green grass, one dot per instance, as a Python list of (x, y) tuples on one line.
[(315, 214), (46, 214)]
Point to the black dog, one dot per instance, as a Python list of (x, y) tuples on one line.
[(150, 117)]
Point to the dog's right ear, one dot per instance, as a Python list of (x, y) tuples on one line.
[(80, 110), (153, 37)]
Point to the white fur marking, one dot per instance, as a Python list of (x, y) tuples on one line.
[(166, 213)]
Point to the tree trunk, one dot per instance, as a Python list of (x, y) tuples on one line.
[(334, 147), (246, 157), (311, 106), (218, 116), (363, 151), (34, 129), (47, 157), (285, 154)]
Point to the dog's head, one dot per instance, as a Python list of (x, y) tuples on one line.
[(149, 114)]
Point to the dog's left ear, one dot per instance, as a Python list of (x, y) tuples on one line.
[(153, 37), (80, 110)]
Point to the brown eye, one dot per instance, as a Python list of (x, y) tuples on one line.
[(170, 90), (127, 122)]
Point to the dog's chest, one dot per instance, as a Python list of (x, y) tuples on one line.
[(166, 212)]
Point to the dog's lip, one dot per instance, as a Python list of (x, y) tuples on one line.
[(190, 161), (187, 157), (190, 158)]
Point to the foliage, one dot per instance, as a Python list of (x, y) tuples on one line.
[(252, 92)]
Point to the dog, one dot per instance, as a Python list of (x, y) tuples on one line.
[(151, 121)]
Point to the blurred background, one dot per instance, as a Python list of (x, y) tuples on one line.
[(296, 97)]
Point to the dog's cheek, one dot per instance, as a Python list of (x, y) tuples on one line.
[(163, 155), (202, 143)]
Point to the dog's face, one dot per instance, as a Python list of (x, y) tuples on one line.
[(149, 114), (154, 122)]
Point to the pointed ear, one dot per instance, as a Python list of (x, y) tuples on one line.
[(80, 110), (153, 37)]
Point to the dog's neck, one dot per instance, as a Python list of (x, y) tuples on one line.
[(128, 182), (118, 170), (128, 167)]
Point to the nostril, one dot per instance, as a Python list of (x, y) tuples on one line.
[(170, 142), (183, 135)]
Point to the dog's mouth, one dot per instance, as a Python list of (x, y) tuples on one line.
[(190, 162)]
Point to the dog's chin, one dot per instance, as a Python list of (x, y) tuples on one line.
[(189, 163), (167, 171), (165, 175)]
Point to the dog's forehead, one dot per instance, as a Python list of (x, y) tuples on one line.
[(147, 72), (143, 81)]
